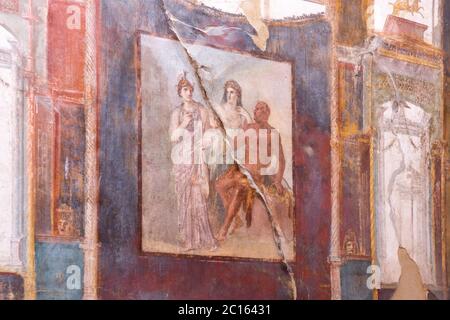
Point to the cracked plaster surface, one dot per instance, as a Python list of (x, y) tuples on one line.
[(251, 9)]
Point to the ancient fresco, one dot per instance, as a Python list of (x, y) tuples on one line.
[(424, 12), (11, 188), (194, 197), (405, 111), (224, 149), (404, 218)]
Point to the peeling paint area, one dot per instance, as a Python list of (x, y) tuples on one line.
[(410, 285), (252, 11)]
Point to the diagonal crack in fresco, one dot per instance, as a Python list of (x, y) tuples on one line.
[(276, 230)]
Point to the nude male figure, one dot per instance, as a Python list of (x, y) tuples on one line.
[(234, 188)]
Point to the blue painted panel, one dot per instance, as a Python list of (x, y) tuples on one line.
[(59, 271), (354, 281)]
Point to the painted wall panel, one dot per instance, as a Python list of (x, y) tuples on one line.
[(126, 272), (59, 270)]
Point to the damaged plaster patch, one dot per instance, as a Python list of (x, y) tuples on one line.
[(256, 20), (410, 286), (252, 11)]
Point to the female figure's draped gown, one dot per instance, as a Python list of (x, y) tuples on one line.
[(191, 187)]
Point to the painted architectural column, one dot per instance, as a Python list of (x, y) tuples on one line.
[(445, 30), (335, 255), (30, 154), (90, 244)]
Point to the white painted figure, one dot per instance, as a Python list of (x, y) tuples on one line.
[(403, 207)]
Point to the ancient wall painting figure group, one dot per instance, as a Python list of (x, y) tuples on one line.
[(230, 173), (230, 183)]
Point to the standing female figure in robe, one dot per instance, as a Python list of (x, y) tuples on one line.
[(188, 122)]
